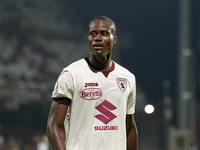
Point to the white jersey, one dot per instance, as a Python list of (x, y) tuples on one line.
[(100, 101)]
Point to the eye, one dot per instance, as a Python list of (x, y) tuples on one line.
[(93, 34), (104, 33)]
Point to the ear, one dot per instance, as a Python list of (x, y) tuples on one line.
[(87, 38), (115, 40)]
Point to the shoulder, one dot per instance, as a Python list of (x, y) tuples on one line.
[(79, 64), (124, 71), (75, 68)]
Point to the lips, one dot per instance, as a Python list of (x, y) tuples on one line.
[(98, 46)]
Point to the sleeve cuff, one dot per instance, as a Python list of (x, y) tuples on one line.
[(63, 100)]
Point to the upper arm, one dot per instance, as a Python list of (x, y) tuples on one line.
[(57, 114), (55, 121), (131, 128), (129, 122), (131, 131)]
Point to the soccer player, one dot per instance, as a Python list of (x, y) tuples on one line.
[(95, 98)]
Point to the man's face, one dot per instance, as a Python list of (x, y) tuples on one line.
[(100, 38)]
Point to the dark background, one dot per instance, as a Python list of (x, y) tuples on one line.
[(154, 27)]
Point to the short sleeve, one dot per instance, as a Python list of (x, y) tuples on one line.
[(131, 98), (64, 87)]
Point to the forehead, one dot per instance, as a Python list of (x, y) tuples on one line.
[(99, 25)]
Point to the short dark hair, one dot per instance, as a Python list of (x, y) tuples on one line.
[(111, 23)]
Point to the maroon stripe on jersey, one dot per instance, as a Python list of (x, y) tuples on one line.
[(105, 72)]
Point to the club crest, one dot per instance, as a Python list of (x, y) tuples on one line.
[(122, 84)]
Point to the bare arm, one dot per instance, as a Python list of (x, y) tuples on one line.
[(55, 121), (131, 133)]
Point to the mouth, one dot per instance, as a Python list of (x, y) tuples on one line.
[(97, 46)]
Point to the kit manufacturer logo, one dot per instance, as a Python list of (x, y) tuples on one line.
[(105, 108), (91, 84), (122, 84)]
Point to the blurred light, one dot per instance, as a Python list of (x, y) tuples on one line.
[(149, 109)]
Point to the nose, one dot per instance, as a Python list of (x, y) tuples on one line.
[(98, 37)]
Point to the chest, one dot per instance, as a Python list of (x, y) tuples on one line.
[(95, 86)]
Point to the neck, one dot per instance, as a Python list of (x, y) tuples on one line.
[(101, 63)]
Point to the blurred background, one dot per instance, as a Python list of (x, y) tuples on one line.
[(159, 41)]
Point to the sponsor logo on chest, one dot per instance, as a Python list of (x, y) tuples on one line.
[(105, 109), (105, 116), (103, 128), (91, 94)]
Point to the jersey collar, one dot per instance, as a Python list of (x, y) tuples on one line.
[(105, 72)]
